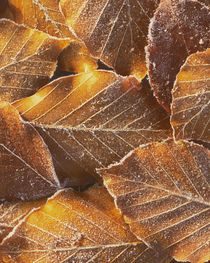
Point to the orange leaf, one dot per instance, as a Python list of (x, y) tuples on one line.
[(76, 59), (190, 104), (178, 29), (27, 59), (114, 31), (26, 166), (12, 213), (93, 119), (162, 189), (44, 15), (76, 227)]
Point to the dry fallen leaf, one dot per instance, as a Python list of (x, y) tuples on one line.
[(27, 59), (76, 227), (162, 189), (178, 29), (190, 104), (44, 15), (76, 59), (12, 213), (93, 119), (5, 11), (114, 31), (26, 167)]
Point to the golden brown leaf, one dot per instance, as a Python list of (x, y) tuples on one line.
[(76, 59), (93, 119), (27, 59), (178, 29), (190, 104), (44, 15), (26, 167), (76, 227), (11, 213), (113, 30), (162, 189)]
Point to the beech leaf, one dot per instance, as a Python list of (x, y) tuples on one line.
[(42, 15), (27, 59), (93, 119), (162, 189), (12, 213), (76, 59), (76, 227), (26, 171), (113, 30), (190, 104), (178, 29)]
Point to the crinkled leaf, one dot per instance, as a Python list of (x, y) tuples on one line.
[(76, 227), (113, 30), (162, 189), (191, 96), (27, 59), (76, 59), (44, 15), (26, 167), (93, 119), (178, 29)]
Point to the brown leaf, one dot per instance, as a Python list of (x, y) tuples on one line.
[(190, 104), (76, 59), (178, 29), (4, 10), (93, 119), (27, 59), (26, 166), (12, 213), (162, 189), (114, 31), (44, 15), (76, 227)]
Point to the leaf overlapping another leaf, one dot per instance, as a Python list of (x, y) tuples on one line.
[(113, 30), (162, 189), (76, 227), (191, 95), (26, 170), (178, 29), (42, 15), (27, 59), (93, 119)]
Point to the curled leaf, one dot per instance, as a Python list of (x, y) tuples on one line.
[(76, 59), (162, 189), (114, 31), (190, 104), (27, 59), (93, 119), (76, 227), (178, 29), (26, 167)]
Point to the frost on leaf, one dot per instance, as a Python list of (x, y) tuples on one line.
[(162, 189), (77, 227), (178, 29), (113, 30), (93, 119), (191, 97), (12, 213), (44, 15), (27, 59), (26, 167)]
